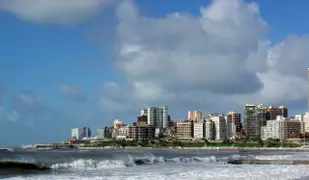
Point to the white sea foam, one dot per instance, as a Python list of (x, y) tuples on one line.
[(90, 164), (181, 168), (219, 172)]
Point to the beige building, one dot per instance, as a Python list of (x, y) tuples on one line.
[(281, 128), (198, 130), (195, 116), (184, 130)]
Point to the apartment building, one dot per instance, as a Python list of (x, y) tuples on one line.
[(272, 112), (233, 122), (158, 117), (280, 128), (198, 130), (254, 119), (220, 126), (184, 130), (209, 129), (195, 116)]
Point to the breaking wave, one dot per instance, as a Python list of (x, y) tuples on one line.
[(129, 161)]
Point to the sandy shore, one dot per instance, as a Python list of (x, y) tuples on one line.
[(200, 149)]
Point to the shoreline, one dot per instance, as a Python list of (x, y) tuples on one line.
[(238, 149)]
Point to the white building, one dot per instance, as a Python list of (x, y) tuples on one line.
[(198, 130), (220, 126), (80, 133), (281, 128)]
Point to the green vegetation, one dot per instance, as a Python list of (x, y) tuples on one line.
[(179, 143)]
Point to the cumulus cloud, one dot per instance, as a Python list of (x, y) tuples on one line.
[(220, 59), (63, 12), (72, 92)]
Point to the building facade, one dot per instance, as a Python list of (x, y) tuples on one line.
[(198, 130), (220, 126), (281, 128), (209, 129), (80, 133), (184, 130), (158, 117), (233, 122), (195, 116), (254, 119), (272, 112)]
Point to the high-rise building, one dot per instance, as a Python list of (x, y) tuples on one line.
[(101, 133), (142, 120), (272, 112), (157, 116), (80, 133), (233, 122), (195, 116), (254, 119), (308, 90), (108, 132), (220, 126), (209, 129)]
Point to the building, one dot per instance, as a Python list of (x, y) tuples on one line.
[(101, 133), (80, 133), (77, 133), (220, 126), (184, 130), (195, 116), (142, 120), (108, 132), (280, 128), (87, 131), (254, 119), (209, 129), (198, 130), (233, 122), (158, 117), (308, 90), (140, 133), (272, 112)]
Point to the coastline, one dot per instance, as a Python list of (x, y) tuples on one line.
[(238, 149)]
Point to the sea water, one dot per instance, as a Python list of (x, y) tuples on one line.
[(152, 165)]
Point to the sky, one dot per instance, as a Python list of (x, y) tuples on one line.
[(75, 63)]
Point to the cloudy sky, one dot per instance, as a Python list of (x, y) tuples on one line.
[(73, 63)]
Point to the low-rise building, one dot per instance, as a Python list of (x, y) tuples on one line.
[(141, 132), (281, 128)]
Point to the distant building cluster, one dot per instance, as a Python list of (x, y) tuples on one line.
[(259, 122)]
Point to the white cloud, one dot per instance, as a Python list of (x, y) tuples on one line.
[(13, 116), (72, 92), (219, 59), (62, 12)]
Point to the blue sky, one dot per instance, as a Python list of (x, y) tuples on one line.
[(57, 74)]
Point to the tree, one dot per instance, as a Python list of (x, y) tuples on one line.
[(260, 141)]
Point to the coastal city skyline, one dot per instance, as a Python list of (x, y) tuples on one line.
[(68, 64)]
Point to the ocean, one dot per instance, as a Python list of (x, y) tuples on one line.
[(148, 165)]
